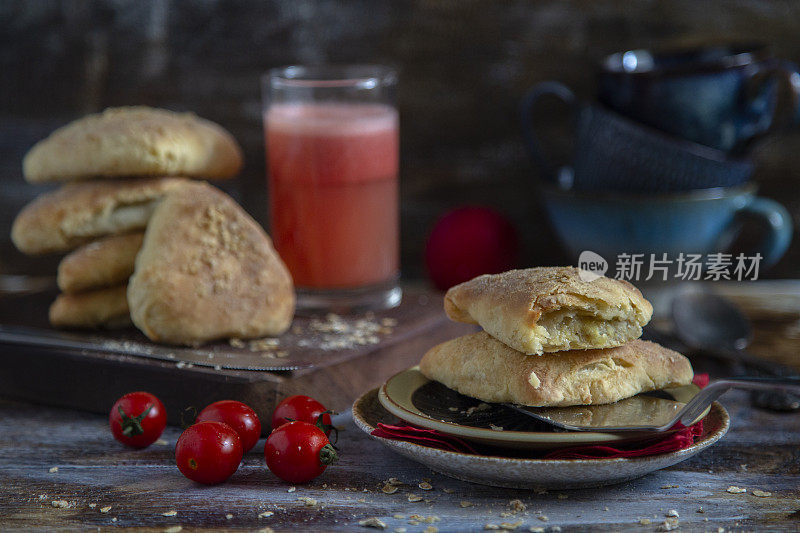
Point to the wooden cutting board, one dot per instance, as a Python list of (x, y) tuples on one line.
[(340, 358)]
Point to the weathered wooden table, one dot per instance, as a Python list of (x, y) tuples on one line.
[(60, 469)]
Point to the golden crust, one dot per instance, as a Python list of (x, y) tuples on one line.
[(103, 263), (134, 141), (103, 308), (533, 310), (208, 271), (77, 213), (482, 367)]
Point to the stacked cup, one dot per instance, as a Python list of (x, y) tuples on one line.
[(661, 163)]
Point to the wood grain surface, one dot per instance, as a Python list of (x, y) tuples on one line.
[(762, 451), (92, 472)]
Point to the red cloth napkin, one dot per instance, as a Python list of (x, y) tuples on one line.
[(678, 440)]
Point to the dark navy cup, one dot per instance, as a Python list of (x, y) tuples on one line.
[(699, 222), (724, 97), (613, 153)]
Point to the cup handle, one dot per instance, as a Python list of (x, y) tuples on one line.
[(787, 112), (551, 88), (779, 228)]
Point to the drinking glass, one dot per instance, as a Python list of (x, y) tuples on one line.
[(332, 143)]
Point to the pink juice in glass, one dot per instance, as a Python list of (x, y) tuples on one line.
[(334, 192)]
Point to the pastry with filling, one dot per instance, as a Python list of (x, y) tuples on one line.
[(482, 367), (102, 308), (208, 271), (102, 263), (550, 309), (77, 213), (134, 142)]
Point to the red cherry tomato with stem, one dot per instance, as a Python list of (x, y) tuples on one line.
[(137, 419), (298, 452), (208, 452), (237, 415), (303, 409)]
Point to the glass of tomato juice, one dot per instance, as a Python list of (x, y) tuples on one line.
[(332, 143)]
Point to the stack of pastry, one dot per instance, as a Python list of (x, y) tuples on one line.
[(148, 243), (552, 339)]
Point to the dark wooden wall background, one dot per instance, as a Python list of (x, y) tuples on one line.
[(464, 66)]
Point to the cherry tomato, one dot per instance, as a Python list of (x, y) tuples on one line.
[(238, 416), (208, 452), (298, 452), (302, 408), (137, 419)]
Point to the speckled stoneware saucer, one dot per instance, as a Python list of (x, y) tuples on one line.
[(412, 397), (522, 473)]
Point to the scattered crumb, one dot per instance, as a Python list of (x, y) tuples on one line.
[(53, 470), (506, 514), (555, 529), (114, 519), (266, 530), (393, 481), (431, 529), (562, 496), (372, 522), (92, 505), (452, 409), (414, 498), (517, 506), (668, 526), (465, 504), (173, 529), (448, 491), (480, 407), (510, 526), (432, 519), (491, 527), (291, 489), (540, 491), (310, 502), (236, 343), (217, 367), (669, 486), (605, 508), (399, 516), (266, 514), (735, 490), (362, 500), (228, 516), (645, 521), (425, 486), (536, 529), (162, 442), (400, 530), (495, 428), (673, 513), (60, 504), (743, 467), (389, 489), (170, 513), (761, 493), (543, 518), (105, 509)]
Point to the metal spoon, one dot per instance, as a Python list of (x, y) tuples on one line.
[(633, 414), (713, 325)]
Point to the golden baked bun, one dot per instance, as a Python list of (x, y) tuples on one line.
[(134, 142), (482, 367), (102, 263), (207, 271), (550, 309), (77, 213), (102, 308)]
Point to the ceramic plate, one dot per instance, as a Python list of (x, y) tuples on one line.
[(414, 398), (534, 473)]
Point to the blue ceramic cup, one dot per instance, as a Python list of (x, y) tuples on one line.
[(612, 153), (701, 222), (723, 96)]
